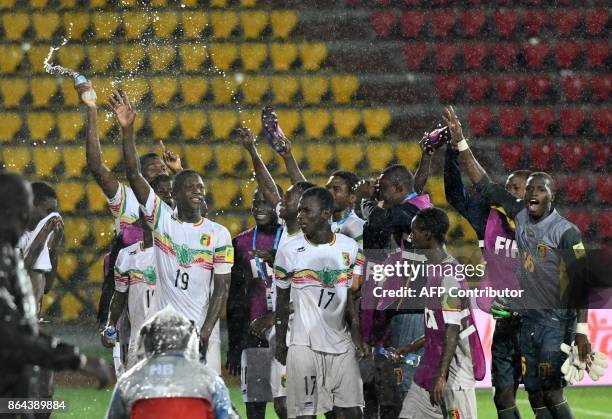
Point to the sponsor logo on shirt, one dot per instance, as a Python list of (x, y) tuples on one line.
[(301, 249)]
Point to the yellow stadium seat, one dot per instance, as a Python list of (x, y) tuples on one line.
[(163, 89), (192, 123), (159, 3), (223, 55), (316, 122), (349, 156), (45, 24), (76, 23), (100, 4), (253, 55), (223, 192), (70, 304), (67, 264), (105, 24), (16, 159), (104, 87), (408, 154), (69, 93), (346, 121), (284, 88), (69, 125), (103, 232), (248, 3), (198, 156), (105, 123), (139, 122), (11, 123), (74, 161), (251, 120), (76, 231), (95, 198), (136, 89), (223, 88), (319, 156), (15, 24), (289, 121), (435, 188), (192, 4), (223, 23), (193, 89), (130, 56), (13, 91), (223, 123), (135, 23), (283, 55), (69, 194), (193, 23), (11, 55), (247, 187), (162, 124), (42, 89), (38, 4), (96, 266), (40, 124), (165, 24), (227, 157), (218, 3), (36, 56), (313, 88), (312, 55), (100, 56), (71, 56), (254, 88), (161, 56), (192, 56), (376, 121), (379, 155), (283, 23), (253, 23), (128, 4), (344, 87), (7, 4), (111, 156), (233, 223), (45, 160)]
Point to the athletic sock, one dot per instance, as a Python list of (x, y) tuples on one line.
[(509, 413), (562, 411)]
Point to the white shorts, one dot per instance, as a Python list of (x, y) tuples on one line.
[(318, 381), (213, 352), (255, 375), (460, 404)]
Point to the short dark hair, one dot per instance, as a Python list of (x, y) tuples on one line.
[(400, 175), (302, 186), (144, 159), (350, 178), (42, 191), (545, 176), (435, 220), (322, 195), (162, 177), (524, 173), (181, 177)]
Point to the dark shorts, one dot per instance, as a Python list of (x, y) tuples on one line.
[(541, 356), (506, 353)]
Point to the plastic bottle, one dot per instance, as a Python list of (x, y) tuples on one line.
[(408, 359), (111, 334), (89, 95)]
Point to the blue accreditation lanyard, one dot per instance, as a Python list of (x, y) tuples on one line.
[(409, 197), (343, 220), (260, 267)]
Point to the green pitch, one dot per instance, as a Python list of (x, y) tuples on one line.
[(587, 402)]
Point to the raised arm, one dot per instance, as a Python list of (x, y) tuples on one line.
[(295, 174), (265, 181), (422, 172)]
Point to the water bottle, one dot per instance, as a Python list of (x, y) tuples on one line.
[(110, 333), (89, 95), (271, 130), (408, 359)]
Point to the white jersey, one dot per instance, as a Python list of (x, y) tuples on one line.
[(186, 255), (320, 277), (43, 262), (124, 207), (351, 226), (135, 273)]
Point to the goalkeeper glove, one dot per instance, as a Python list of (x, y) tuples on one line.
[(572, 369), (596, 365)]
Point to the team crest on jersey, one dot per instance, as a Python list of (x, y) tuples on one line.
[(205, 240), (346, 257), (453, 414), (542, 250), (284, 380)]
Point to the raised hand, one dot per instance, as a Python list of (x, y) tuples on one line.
[(454, 125), (172, 160), (87, 94), (246, 137), (123, 109)]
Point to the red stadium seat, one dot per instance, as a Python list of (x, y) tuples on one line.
[(604, 219), (541, 154), (383, 23), (541, 119), (412, 23), (602, 119), (479, 120), (597, 52), (447, 87), (535, 20), (510, 120), (444, 55), (382, 2), (511, 154), (582, 219), (572, 154), (604, 189), (505, 54), (573, 87), (571, 120), (442, 22), (507, 87), (537, 87), (472, 22), (576, 188), (506, 22), (535, 54), (566, 20), (476, 86), (474, 53), (602, 84), (600, 154), (414, 54), (412, 2), (596, 21), (566, 53)]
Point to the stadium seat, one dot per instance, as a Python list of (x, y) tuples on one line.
[(313, 88), (45, 24), (69, 94), (161, 56), (582, 219), (283, 22), (223, 55), (447, 87), (383, 22), (223, 23), (538, 87), (511, 154), (162, 124), (344, 87), (535, 21), (223, 123), (284, 88), (597, 52), (596, 21), (71, 56), (571, 120), (600, 154), (102, 229), (576, 188), (14, 25), (218, 3), (253, 23), (414, 54), (223, 89), (74, 161), (541, 154), (45, 160), (435, 188), (289, 121), (566, 53), (408, 154), (474, 54), (283, 55), (412, 23), (40, 124), (444, 55), (192, 123), (253, 56), (165, 24), (566, 20), (76, 230), (193, 23), (573, 87), (316, 122), (105, 125), (349, 156), (442, 22), (15, 159), (12, 56), (254, 88), (346, 121), (11, 124), (319, 155), (198, 156), (13, 90), (111, 156), (130, 56), (69, 125), (252, 121), (227, 157), (69, 194), (36, 56), (100, 56), (476, 86), (376, 121), (163, 89), (379, 156), (223, 192), (506, 21), (604, 220), (42, 89), (135, 23), (507, 86), (510, 121), (602, 85), (312, 55), (472, 22), (572, 154), (479, 120), (541, 119), (602, 120), (105, 24), (136, 89), (535, 54), (192, 56), (505, 54), (76, 23), (604, 189)]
